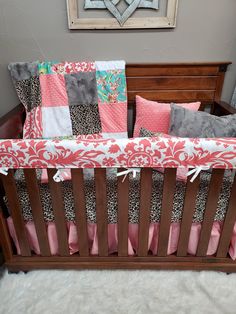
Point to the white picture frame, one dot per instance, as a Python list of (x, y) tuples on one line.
[(167, 21)]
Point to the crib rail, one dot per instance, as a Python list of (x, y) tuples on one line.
[(37, 211), (121, 259), (80, 211), (188, 211), (123, 209)]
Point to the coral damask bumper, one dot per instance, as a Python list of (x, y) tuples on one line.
[(138, 152)]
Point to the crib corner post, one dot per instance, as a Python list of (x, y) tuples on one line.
[(5, 240)]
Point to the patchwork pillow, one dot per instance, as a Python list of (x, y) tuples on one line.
[(186, 123), (181, 174), (155, 116), (69, 99)]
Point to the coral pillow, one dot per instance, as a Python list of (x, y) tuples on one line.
[(156, 116)]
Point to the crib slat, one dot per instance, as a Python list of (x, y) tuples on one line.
[(59, 213), (37, 211), (167, 206), (5, 238), (16, 213), (188, 212), (210, 210), (80, 211), (123, 211), (228, 225), (144, 211), (101, 210)]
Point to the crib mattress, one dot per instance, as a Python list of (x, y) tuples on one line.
[(134, 196)]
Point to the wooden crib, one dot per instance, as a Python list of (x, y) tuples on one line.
[(162, 82)]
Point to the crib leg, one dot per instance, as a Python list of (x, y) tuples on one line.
[(6, 246), (10, 272), (13, 272)]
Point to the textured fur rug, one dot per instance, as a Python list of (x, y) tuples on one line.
[(117, 292)]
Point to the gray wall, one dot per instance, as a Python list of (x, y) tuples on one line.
[(37, 29)]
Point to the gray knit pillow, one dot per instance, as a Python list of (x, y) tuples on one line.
[(187, 123)]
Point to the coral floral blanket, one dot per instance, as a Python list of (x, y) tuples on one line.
[(138, 152)]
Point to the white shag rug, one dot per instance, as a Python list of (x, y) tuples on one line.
[(123, 292)]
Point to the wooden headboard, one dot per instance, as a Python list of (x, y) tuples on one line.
[(173, 82)]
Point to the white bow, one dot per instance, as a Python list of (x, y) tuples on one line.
[(196, 171), (58, 177), (134, 171), (4, 171)]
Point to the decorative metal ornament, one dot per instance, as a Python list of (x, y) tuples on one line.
[(99, 4), (110, 5)]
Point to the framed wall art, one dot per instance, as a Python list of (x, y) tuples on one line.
[(121, 14)]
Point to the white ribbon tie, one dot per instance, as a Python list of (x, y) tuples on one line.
[(4, 171), (196, 171), (60, 175), (134, 171)]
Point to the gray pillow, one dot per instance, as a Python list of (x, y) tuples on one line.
[(187, 123)]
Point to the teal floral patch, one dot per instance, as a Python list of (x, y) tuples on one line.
[(46, 67), (111, 86)]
